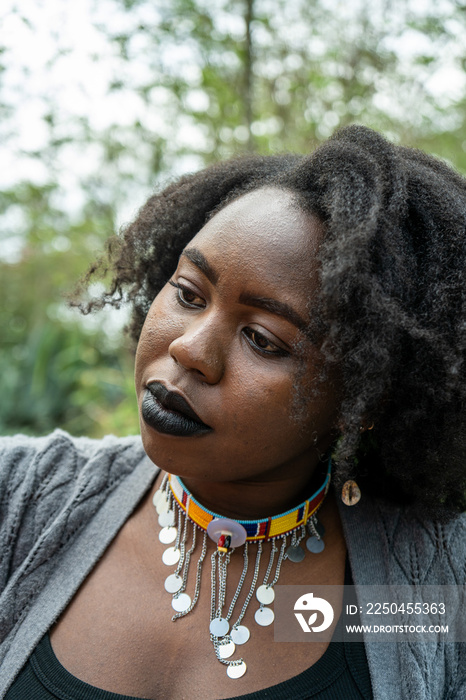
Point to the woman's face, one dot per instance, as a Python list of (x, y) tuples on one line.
[(225, 334)]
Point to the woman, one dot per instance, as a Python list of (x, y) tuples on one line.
[(295, 315)]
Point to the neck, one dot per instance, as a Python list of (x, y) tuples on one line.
[(254, 499)]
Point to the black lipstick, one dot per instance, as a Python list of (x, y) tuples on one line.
[(169, 413)]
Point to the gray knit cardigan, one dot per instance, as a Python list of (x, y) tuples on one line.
[(62, 501)]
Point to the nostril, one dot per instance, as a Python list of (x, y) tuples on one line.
[(196, 351), (184, 358)]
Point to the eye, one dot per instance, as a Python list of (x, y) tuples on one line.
[(186, 297), (259, 342)]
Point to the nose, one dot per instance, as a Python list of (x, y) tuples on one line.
[(200, 349)]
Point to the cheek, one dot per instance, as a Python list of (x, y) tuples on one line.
[(296, 411), (315, 404), (160, 328), (261, 407)]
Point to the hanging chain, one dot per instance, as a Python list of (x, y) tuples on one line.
[(187, 559), (220, 561), (253, 585), (198, 579), (213, 562), (273, 551), (241, 581), (177, 541), (281, 557), (311, 526)]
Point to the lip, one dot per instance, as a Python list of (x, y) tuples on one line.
[(168, 412)]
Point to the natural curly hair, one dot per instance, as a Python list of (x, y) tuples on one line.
[(393, 296)]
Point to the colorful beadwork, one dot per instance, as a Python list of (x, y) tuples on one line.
[(285, 531), (257, 530)]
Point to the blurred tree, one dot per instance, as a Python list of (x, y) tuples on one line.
[(163, 88), (274, 75), (55, 372)]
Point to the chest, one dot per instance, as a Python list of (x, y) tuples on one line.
[(118, 633)]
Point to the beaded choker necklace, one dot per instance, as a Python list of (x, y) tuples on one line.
[(181, 516)]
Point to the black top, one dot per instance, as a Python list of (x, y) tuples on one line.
[(342, 673)]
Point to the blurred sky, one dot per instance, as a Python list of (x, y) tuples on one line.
[(57, 57), (33, 32)]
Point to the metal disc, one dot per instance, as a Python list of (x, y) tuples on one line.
[(236, 671), (167, 519), (240, 634), (157, 495), (226, 649), (225, 526), (265, 595), (264, 616), (171, 556), (167, 535), (181, 603), (173, 583), (219, 627), (295, 554), (314, 545), (162, 505)]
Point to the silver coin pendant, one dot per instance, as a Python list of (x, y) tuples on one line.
[(265, 594), (295, 554), (264, 616), (219, 627), (157, 496), (167, 535), (237, 670), (240, 634), (181, 603), (162, 504), (226, 649), (315, 545), (173, 583), (167, 519), (171, 556)]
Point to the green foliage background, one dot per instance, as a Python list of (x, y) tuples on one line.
[(211, 80)]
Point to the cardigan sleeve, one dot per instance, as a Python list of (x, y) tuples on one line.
[(49, 488), (35, 478)]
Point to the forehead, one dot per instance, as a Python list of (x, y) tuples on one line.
[(264, 232)]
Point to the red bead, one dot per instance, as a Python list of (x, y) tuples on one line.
[(221, 541)]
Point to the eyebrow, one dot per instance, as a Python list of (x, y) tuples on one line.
[(279, 308), (199, 259)]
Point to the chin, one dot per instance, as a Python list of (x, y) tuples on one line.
[(173, 454)]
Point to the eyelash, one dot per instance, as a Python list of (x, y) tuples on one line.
[(249, 333), (181, 291)]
